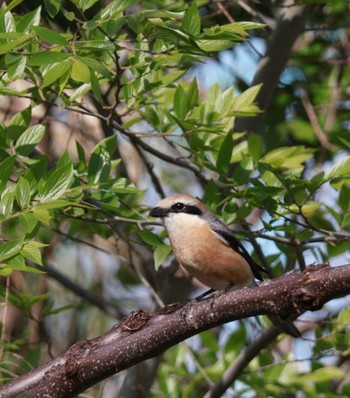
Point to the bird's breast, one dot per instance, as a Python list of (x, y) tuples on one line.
[(204, 255)]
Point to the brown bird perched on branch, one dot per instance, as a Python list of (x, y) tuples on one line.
[(207, 249)]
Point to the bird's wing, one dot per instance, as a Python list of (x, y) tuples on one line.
[(226, 235)]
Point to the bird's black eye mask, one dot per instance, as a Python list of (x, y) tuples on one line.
[(180, 207)]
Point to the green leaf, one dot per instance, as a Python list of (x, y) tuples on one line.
[(80, 152), (343, 319), (161, 253), (97, 66), (28, 221), (9, 249), (192, 22), (309, 208), (100, 161), (287, 157), (79, 92), (214, 45), (58, 183), (46, 58), (225, 153), (116, 7), (192, 94), (80, 71), (17, 262), (52, 204), (68, 14), (122, 185), (322, 375), (22, 192), (86, 4), (19, 123), (6, 168), (344, 196), (244, 101), (16, 69), (56, 71), (52, 7), (29, 139), (6, 202), (29, 20), (95, 85), (42, 215), (255, 146), (31, 251), (15, 44), (151, 238), (181, 104), (340, 169)]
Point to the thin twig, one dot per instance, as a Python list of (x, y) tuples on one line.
[(311, 114)]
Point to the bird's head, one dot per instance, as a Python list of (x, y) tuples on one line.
[(179, 204)]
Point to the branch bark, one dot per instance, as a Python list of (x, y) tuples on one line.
[(143, 335)]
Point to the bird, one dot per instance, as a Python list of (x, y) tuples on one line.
[(208, 250)]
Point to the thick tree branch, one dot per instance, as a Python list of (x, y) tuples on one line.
[(144, 335), (290, 23)]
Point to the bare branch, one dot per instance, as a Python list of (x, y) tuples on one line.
[(143, 335)]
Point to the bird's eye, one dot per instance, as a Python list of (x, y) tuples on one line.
[(178, 206)]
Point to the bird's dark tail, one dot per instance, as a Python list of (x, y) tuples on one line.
[(285, 325)]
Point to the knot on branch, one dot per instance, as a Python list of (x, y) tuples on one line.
[(307, 295), (74, 356), (135, 321)]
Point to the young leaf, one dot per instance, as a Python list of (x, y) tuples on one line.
[(339, 169), (9, 249), (58, 183), (56, 71), (192, 22), (6, 202), (22, 192), (244, 101), (28, 221), (42, 215), (80, 71), (29, 139), (161, 253), (31, 251)]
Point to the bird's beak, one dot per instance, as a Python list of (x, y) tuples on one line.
[(158, 212)]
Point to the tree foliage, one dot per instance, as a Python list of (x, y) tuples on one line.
[(105, 108)]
